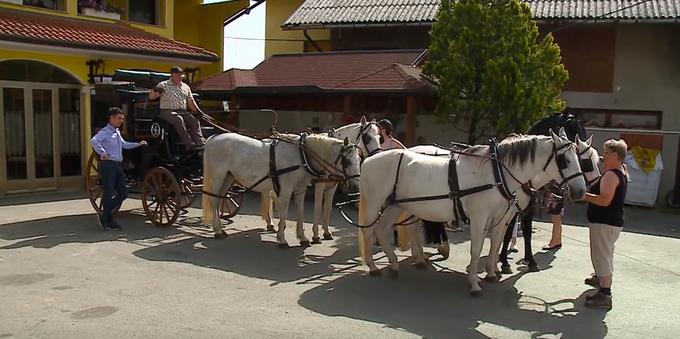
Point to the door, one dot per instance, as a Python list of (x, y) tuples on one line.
[(28, 119)]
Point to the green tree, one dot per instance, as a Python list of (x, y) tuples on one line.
[(495, 73)]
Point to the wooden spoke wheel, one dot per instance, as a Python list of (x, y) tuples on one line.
[(161, 196), (232, 202), (94, 185), (187, 196)]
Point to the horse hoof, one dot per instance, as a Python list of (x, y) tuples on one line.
[(221, 235), (375, 273), (305, 243), (270, 228), (327, 236), (505, 269), (316, 240), (491, 278), (420, 265), (394, 274), (283, 245), (533, 268), (476, 293), (499, 275)]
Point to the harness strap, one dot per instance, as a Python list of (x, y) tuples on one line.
[(391, 199), (454, 192), (272, 167), (303, 157), (498, 171)]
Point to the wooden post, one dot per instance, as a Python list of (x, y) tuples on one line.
[(411, 107), (347, 104)]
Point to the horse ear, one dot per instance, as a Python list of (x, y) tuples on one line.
[(589, 141), (563, 133), (363, 120), (345, 142), (555, 137)]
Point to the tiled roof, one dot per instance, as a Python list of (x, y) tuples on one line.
[(328, 71), (317, 13), (21, 26)]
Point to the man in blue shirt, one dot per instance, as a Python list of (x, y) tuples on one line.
[(109, 144)]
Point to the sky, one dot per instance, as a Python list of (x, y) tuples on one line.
[(239, 52)]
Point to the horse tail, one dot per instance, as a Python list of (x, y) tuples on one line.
[(364, 232), (207, 200), (266, 205)]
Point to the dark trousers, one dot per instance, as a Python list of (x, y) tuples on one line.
[(115, 187)]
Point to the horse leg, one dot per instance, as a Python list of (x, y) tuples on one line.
[(283, 201), (319, 190), (299, 198), (443, 247), (497, 236), (390, 216), (527, 222), (505, 266), (328, 195), (266, 209), (476, 243), (417, 245)]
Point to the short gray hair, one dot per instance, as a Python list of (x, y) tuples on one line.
[(617, 146)]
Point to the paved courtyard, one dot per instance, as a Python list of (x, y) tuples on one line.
[(63, 277)]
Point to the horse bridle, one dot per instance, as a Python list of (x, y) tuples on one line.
[(344, 162), (587, 165), (561, 162), (366, 139)]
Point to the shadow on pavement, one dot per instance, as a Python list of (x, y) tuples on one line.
[(437, 305)]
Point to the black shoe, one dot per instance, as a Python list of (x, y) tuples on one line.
[(113, 226), (599, 300)]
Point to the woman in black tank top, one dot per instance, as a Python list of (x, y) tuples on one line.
[(605, 216)]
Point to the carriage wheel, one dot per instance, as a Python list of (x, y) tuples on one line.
[(93, 184), (161, 196), (232, 202), (187, 196)]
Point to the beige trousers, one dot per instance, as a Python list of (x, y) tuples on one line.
[(602, 240)]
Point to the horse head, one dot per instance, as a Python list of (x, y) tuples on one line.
[(588, 159), (369, 137), (563, 165), (351, 164)]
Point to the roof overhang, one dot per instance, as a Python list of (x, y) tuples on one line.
[(88, 52)]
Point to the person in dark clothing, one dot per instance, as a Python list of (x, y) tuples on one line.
[(605, 216)]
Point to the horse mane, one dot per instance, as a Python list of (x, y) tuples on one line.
[(518, 149), (515, 149), (320, 141), (349, 126)]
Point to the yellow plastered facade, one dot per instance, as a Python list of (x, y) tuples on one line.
[(188, 21), (281, 41)]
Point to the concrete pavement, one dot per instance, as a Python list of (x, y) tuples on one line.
[(61, 276)]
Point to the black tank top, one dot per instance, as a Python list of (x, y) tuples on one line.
[(612, 214)]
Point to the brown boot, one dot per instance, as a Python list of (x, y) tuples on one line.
[(599, 300), (593, 281)]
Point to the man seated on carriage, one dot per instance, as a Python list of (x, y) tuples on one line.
[(175, 97)]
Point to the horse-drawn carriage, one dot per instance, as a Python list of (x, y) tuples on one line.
[(168, 177)]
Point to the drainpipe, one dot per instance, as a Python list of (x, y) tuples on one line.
[(242, 12), (311, 41)]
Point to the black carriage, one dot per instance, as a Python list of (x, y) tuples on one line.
[(167, 177)]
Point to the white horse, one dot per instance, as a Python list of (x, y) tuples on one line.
[(366, 135), (232, 156), (523, 158)]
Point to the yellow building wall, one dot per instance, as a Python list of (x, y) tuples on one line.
[(202, 25), (277, 13), (165, 29)]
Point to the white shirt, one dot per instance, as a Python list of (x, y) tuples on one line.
[(174, 96)]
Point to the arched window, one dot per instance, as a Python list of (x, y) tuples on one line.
[(34, 71)]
